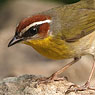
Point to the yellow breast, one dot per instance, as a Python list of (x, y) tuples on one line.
[(51, 48)]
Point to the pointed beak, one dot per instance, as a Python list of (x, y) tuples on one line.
[(14, 41)]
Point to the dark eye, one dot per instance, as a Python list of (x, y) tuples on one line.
[(30, 32), (34, 30)]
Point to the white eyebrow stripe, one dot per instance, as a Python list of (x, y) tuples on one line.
[(39, 22), (36, 23)]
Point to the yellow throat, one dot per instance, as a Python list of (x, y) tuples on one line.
[(51, 47)]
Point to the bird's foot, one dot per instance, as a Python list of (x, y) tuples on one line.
[(75, 88), (50, 79), (54, 77)]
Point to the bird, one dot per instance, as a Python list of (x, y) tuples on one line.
[(63, 32)]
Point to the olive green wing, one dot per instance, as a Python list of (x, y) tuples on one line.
[(78, 23)]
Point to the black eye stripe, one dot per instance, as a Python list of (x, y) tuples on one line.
[(31, 31)]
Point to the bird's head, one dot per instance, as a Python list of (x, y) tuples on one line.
[(35, 27)]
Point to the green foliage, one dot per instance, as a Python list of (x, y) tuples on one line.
[(64, 1), (2, 2), (69, 1)]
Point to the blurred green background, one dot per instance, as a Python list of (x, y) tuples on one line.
[(2, 2), (64, 1)]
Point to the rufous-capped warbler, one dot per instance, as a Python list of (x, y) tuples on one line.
[(63, 32)]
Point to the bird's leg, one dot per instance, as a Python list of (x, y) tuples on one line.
[(87, 84), (54, 76)]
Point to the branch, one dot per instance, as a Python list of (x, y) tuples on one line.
[(27, 85)]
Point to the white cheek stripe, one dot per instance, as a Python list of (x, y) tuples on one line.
[(36, 23)]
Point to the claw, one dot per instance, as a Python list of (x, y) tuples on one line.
[(75, 88), (50, 79)]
